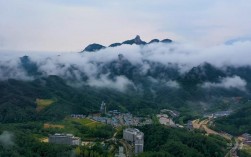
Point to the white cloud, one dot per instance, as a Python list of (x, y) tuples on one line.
[(119, 82), (7, 139), (228, 82), (173, 84), (74, 66)]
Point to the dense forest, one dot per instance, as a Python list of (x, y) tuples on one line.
[(163, 141), (161, 86), (145, 96), (18, 99), (159, 141), (24, 140)]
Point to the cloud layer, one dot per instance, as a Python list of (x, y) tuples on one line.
[(228, 82), (119, 83), (93, 66)]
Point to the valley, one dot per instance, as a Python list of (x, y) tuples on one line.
[(201, 109)]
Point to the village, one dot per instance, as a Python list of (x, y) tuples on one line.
[(133, 139), (130, 145)]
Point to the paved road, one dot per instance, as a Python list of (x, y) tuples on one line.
[(233, 152), (127, 147)]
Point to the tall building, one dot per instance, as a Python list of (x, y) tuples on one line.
[(103, 107), (139, 143), (136, 137), (68, 139)]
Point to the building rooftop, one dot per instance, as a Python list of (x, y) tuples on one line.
[(132, 130), (64, 135)]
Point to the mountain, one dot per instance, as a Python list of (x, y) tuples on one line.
[(166, 41), (154, 41), (79, 82), (161, 86), (94, 47), (137, 41), (115, 44)]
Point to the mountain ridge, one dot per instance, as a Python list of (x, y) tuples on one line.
[(137, 41)]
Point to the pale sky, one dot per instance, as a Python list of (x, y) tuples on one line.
[(70, 25)]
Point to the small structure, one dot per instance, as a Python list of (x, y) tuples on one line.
[(172, 113), (246, 138), (136, 137), (68, 139), (121, 152), (78, 116), (189, 125)]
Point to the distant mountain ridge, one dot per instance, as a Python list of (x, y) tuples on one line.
[(137, 41)]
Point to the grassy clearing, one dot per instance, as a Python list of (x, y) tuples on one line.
[(43, 103), (48, 125), (84, 121), (45, 139), (247, 148)]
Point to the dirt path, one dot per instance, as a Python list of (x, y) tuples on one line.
[(209, 131), (91, 123)]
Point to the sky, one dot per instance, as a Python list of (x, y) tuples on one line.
[(70, 25)]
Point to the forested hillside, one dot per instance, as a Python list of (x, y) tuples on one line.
[(163, 141), (237, 123)]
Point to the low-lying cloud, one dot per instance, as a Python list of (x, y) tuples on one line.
[(75, 66), (228, 82), (172, 84), (119, 82), (7, 139)]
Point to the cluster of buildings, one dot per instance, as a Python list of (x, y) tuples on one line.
[(219, 114), (166, 117), (115, 118), (136, 138), (78, 116), (246, 138), (165, 120), (118, 119), (67, 139), (171, 112)]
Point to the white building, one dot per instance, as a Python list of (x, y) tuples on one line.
[(136, 137), (68, 139), (163, 119), (103, 107)]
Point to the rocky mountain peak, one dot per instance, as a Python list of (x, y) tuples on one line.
[(137, 41)]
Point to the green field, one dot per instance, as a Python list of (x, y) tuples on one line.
[(247, 149), (43, 103), (85, 122)]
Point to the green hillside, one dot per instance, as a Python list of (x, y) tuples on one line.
[(237, 123), (162, 141)]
